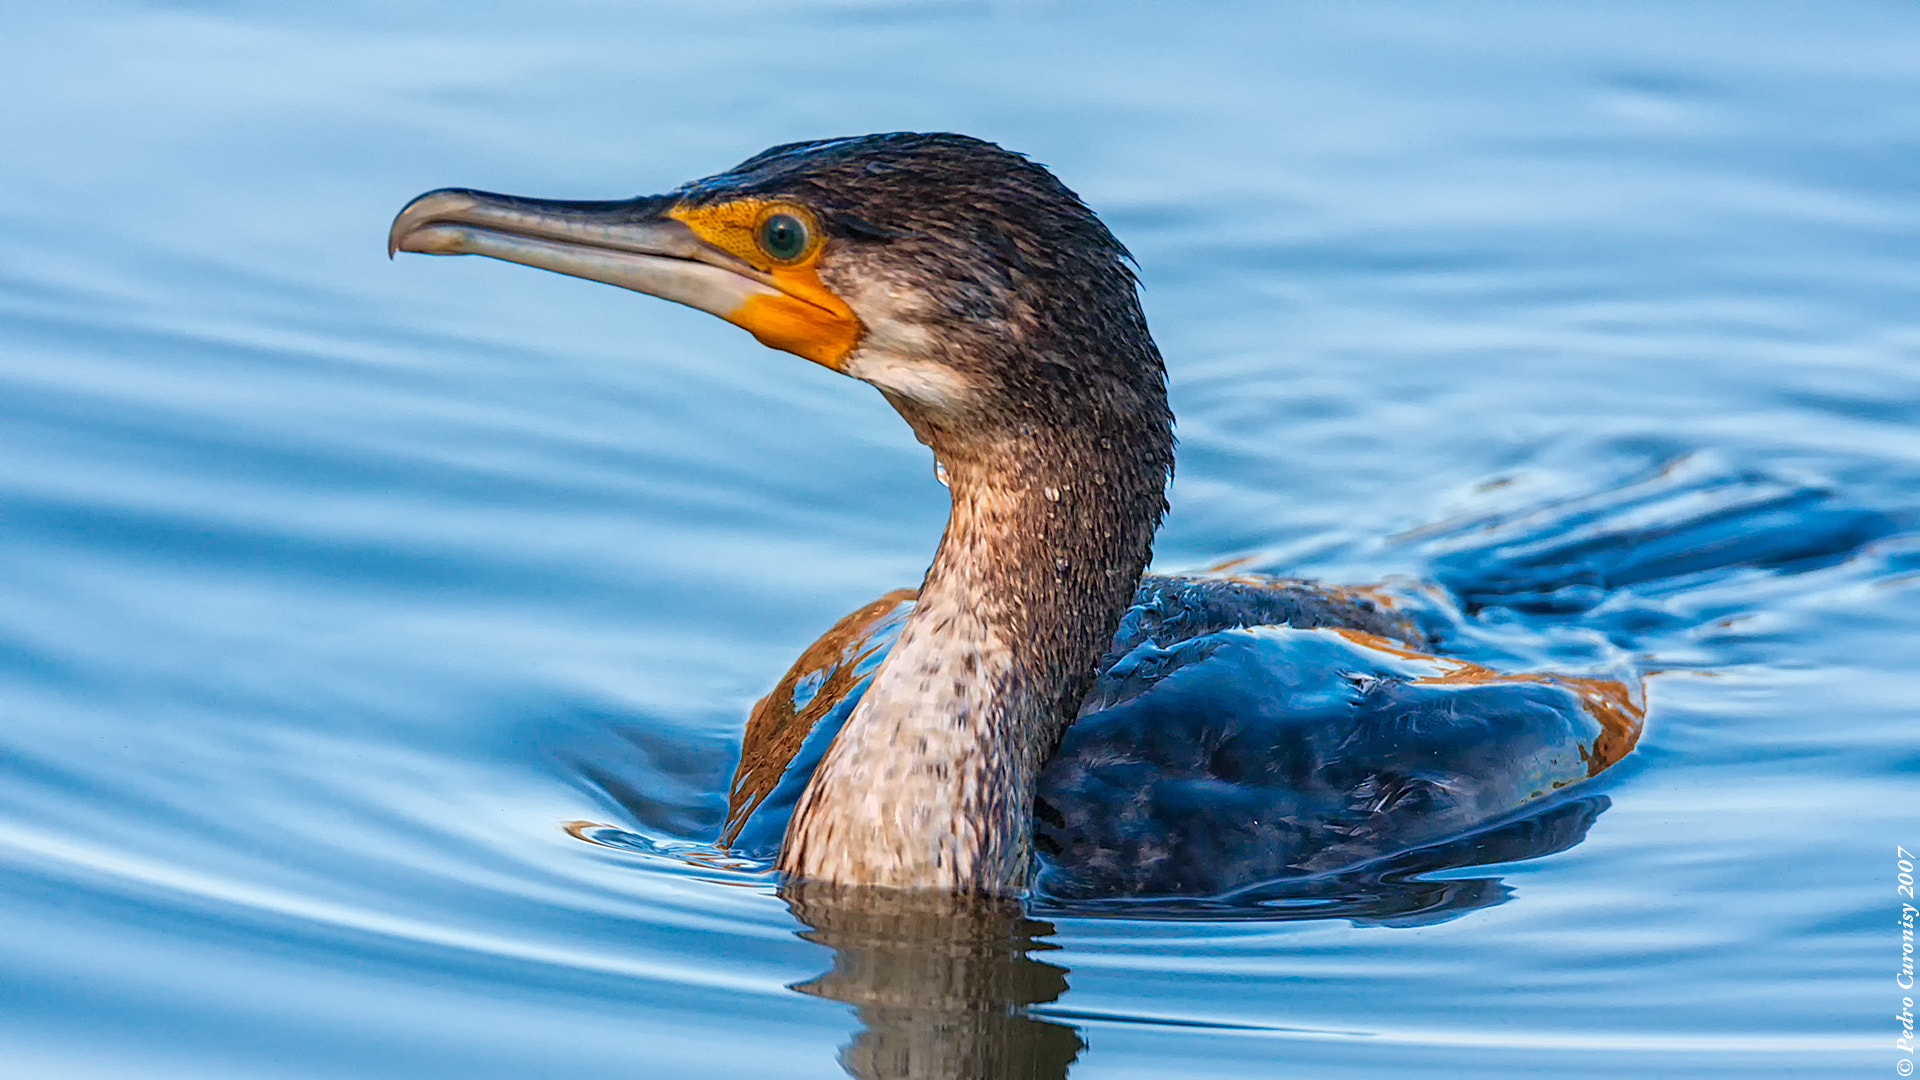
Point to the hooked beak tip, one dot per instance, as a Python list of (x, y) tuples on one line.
[(412, 227)]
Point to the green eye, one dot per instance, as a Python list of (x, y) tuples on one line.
[(784, 236)]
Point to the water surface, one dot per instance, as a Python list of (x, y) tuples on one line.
[(335, 588)]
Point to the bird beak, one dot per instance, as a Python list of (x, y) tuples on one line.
[(650, 245), (632, 244)]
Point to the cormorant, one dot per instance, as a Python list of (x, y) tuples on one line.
[(1231, 729)]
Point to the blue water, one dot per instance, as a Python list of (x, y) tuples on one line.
[(331, 589)]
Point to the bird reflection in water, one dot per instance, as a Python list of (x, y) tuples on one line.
[(941, 982)]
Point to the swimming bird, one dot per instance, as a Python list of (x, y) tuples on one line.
[(1039, 696)]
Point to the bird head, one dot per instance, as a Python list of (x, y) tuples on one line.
[(967, 283)]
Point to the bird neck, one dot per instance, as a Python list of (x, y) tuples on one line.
[(930, 783)]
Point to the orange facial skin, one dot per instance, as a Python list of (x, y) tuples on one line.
[(806, 319)]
